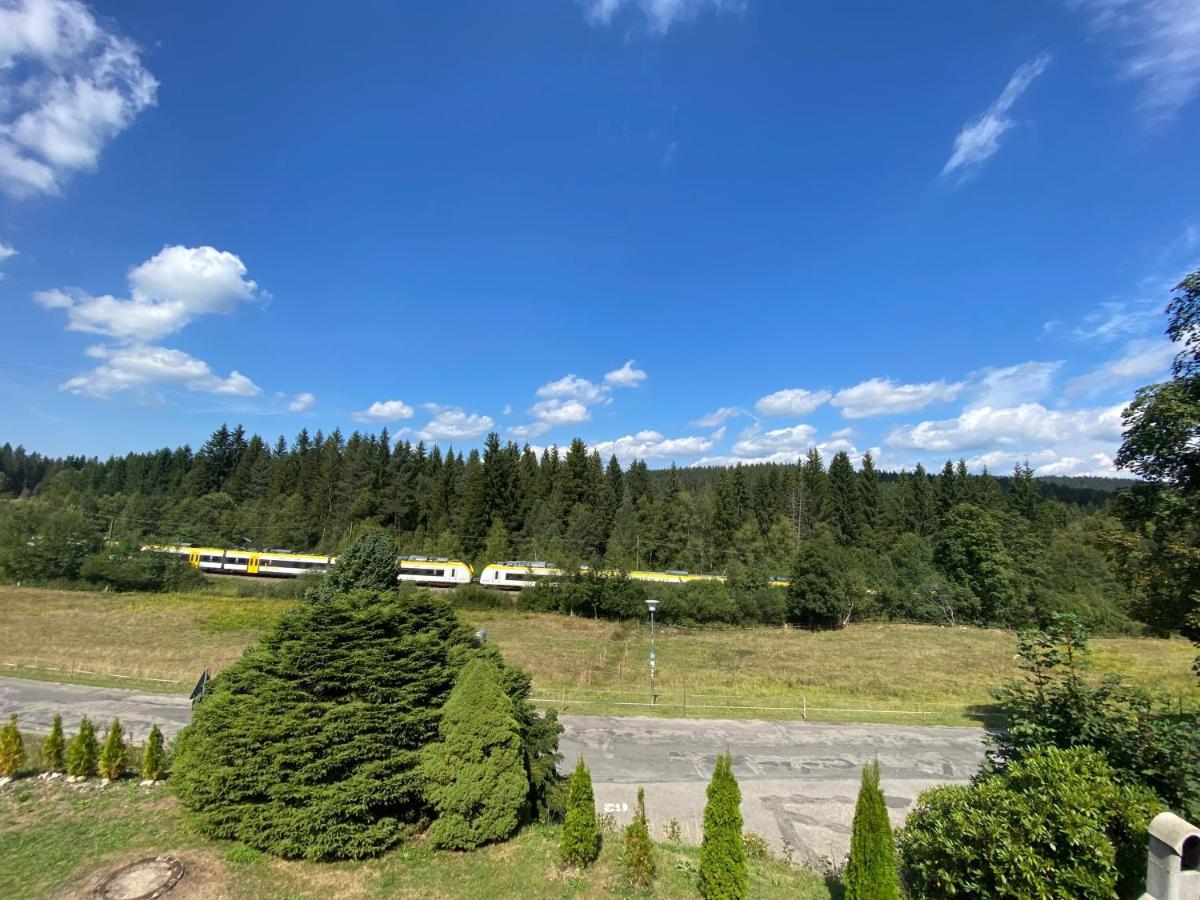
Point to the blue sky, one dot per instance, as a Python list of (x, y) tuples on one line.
[(685, 230)]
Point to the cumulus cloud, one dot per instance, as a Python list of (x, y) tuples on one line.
[(652, 445), (67, 87), (791, 402), (139, 366), (626, 376), (531, 430), (561, 412), (1011, 385), (167, 291), (1160, 43), (572, 387), (568, 400), (302, 402), (1142, 361), (882, 396), (719, 416), (1029, 424), (659, 15), (979, 140), (384, 411), (788, 442), (453, 423)]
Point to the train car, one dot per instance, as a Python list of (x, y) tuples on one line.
[(516, 574), (282, 564), (673, 576), (434, 571), (219, 561)]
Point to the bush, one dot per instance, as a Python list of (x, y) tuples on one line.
[(12, 749), (871, 872), (83, 752), (476, 773), (580, 840), (639, 849), (1056, 824), (370, 563), (54, 749), (154, 756), (723, 874), (112, 754), (128, 568)]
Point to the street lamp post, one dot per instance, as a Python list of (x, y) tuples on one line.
[(652, 605)]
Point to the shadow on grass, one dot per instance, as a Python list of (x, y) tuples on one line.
[(986, 714), (833, 884)]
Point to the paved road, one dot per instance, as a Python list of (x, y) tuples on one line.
[(798, 780)]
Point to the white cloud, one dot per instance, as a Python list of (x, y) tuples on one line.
[(384, 411), (67, 87), (1161, 42), (626, 376), (791, 402), (6, 252), (719, 416), (1143, 361), (1098, 464), (302, 402), (167, 291), (532, 430), (791, 442), (1013, 385), (138, 366), (1118, 318), (652, 445), (660, 15), (882, 396), (452, 423), (561, 412), (572, 387), (979, 140), (1029, 424)]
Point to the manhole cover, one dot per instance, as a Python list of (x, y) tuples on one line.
[(142, 880)]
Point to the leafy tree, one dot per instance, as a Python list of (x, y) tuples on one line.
[(370, 563), (83, 751), (723, 873), (971, 552), (54, 748), (154, 756), (639, 849), (12, 749), (1055, 824), (580, 843), (871, 872), (112, 753), (475, 775), (821, 595)]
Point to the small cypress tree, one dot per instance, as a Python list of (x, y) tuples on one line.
[(871, 872), (154, 757), (475, 775), (723, 874), (580, 840), (12, 749), (112, 754), (54, 749), (639, 850), (83, 750)]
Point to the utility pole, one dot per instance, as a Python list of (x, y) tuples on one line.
[(652, 605)]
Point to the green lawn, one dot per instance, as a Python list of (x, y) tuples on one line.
[(57, 839)]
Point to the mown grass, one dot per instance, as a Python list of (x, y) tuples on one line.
[(56, 840), (866, 672)]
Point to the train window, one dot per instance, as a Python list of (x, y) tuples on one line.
[(515, 576)]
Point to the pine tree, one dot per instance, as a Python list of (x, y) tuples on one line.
[(723, 874), (580, 841), (869, 502), (112, 754), (871, 872), (12, 749), (83, 750), (814, 489), (54, 750), (475, 775), (154, 756), (639, 849), (844, 511)]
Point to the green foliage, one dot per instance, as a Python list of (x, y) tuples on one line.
[(972, 552), (723, 874), (154, 756), (83, 752), (639, 849), (475, 775), (12, 749), (127, 568), (871, 872), (43, 542), (1056, 824), (580, 839), (370, 563), (54, 748), (822, 593), (112, 754)]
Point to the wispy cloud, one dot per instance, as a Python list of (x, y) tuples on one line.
[(979, 140), (882, 396), (659, 15), (6, 252)]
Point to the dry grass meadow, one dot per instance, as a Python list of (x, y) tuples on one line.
[(867, 672)]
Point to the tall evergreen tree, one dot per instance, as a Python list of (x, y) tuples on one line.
[(871, 872), (580, 843), (723, 873), (844, 513)]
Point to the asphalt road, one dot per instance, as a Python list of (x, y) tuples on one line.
[(798, 780)]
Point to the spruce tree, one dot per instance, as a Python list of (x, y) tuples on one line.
[(639, 849), (154, 756), (112, 754), (580, 841), (871, 872), (83, 751), (723, 874), (476, 773), (54, 750), (12, 749)]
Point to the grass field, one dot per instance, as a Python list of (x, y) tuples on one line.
[(868, 672), (56, 840)]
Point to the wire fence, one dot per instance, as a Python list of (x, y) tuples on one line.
[(72, 671)]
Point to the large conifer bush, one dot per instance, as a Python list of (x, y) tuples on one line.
[(871, 872), (83, 751), (723, 874), (580, 840), (54, 748), (12, 749), (475, 775), (370, 563)]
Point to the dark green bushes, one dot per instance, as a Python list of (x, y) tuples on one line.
[(127, 568)]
